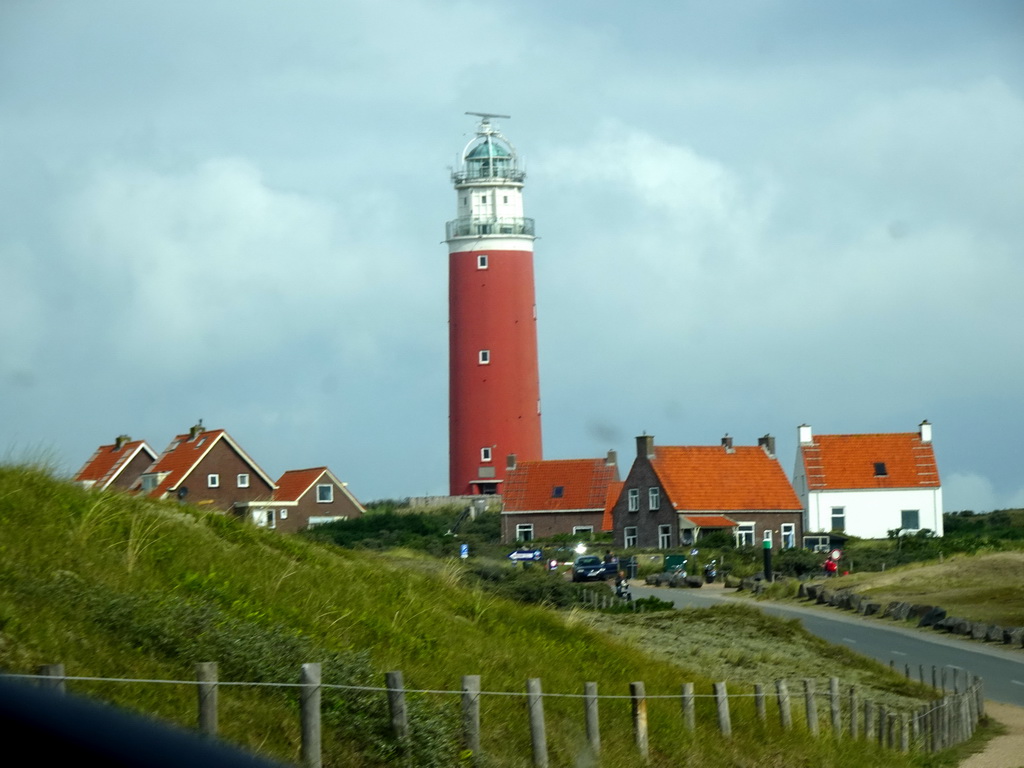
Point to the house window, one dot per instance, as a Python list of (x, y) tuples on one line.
[(653, 499), (634, 499), (664, 536), (745, 535), (524, 532), (558, 492), (213, 481), (582, 529), (325, 493), (485, 454), (838, 519), (483, 198), (504, 199), (629, 536), (788, 535), (283, 514), (271, 519), (242, 481), (149, 482), (484, 357), (880, 470), (910, 519), (481, 261)]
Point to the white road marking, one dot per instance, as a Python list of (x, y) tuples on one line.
[(898, 653), (1017, 682), (848, 640)]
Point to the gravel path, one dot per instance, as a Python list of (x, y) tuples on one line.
[(1006, 751)]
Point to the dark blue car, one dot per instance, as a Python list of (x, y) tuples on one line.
[(589, 568)]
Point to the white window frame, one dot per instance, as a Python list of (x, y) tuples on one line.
[(485, 454), (654, 498), (283, 514), (633, 500), (481, 261), (578, 529), (745, 534), (242, 480), (213, 480), (484, 357), (524, 532), (271, 519), (629, 537), (904, 513), (787, 535), (838, 512), (320, 495), (664, 536)]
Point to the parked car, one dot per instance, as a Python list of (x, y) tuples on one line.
[(589, 568)]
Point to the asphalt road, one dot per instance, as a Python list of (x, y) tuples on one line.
[(1001, 669)]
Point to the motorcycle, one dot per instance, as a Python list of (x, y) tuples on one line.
[(622, 589), (711, 572)]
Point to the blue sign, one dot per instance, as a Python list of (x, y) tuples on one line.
[(525, 554), (464, 551)]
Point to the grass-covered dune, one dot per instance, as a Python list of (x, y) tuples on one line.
[(116, 586)]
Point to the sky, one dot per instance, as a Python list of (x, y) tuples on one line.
[(751, 216)]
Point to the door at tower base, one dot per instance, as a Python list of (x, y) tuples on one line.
[(494, 385)]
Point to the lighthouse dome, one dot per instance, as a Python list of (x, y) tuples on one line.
[(488, 148)]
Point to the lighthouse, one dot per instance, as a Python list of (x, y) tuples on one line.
[(493, 380)]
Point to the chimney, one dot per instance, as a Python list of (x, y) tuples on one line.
[(612, 460), (727, 444), (645, 447), (768, 443), (510, 461), (803, 434), (120, 441), (926, 431), (195, 430)]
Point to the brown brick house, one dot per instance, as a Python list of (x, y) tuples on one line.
[(544, 498), (116, 466), (673, 494), (305, 498)]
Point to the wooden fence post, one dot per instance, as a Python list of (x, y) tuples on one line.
[(56, 679), (309, 708), (904, 726), (638, 699), (835, 706), (395, 684), (785, 712), (689, 717), (593, 719), (853, 712), (206, 676), (471, 716), (722, 700), (811, 706), (869, 720), (538, 735), (881, 725), (759, 703)]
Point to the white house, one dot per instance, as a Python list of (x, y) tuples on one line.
[(868, 485)]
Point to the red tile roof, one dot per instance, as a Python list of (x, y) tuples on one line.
[(294, 483), (614, 491), (838, 462), (711, 478), (108, 461), (531, 486), (185, 452)]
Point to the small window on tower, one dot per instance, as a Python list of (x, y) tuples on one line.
[(485, 454), (485, 357), (505, 199), (481, 261)]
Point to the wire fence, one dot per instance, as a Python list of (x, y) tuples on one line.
[(946, 721)]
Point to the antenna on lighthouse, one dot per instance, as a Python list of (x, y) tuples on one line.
[(487, 115)]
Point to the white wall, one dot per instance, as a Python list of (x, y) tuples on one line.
[(872, 513)]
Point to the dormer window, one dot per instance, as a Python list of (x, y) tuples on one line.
[(880, 470), (558, 492)]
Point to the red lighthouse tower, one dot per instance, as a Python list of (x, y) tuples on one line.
[(494, 386)]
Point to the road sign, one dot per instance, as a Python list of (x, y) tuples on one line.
[(525, 554), (836, 554), (464, 551)]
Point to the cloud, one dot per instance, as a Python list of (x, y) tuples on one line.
[(973, 491), (211, 264)]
